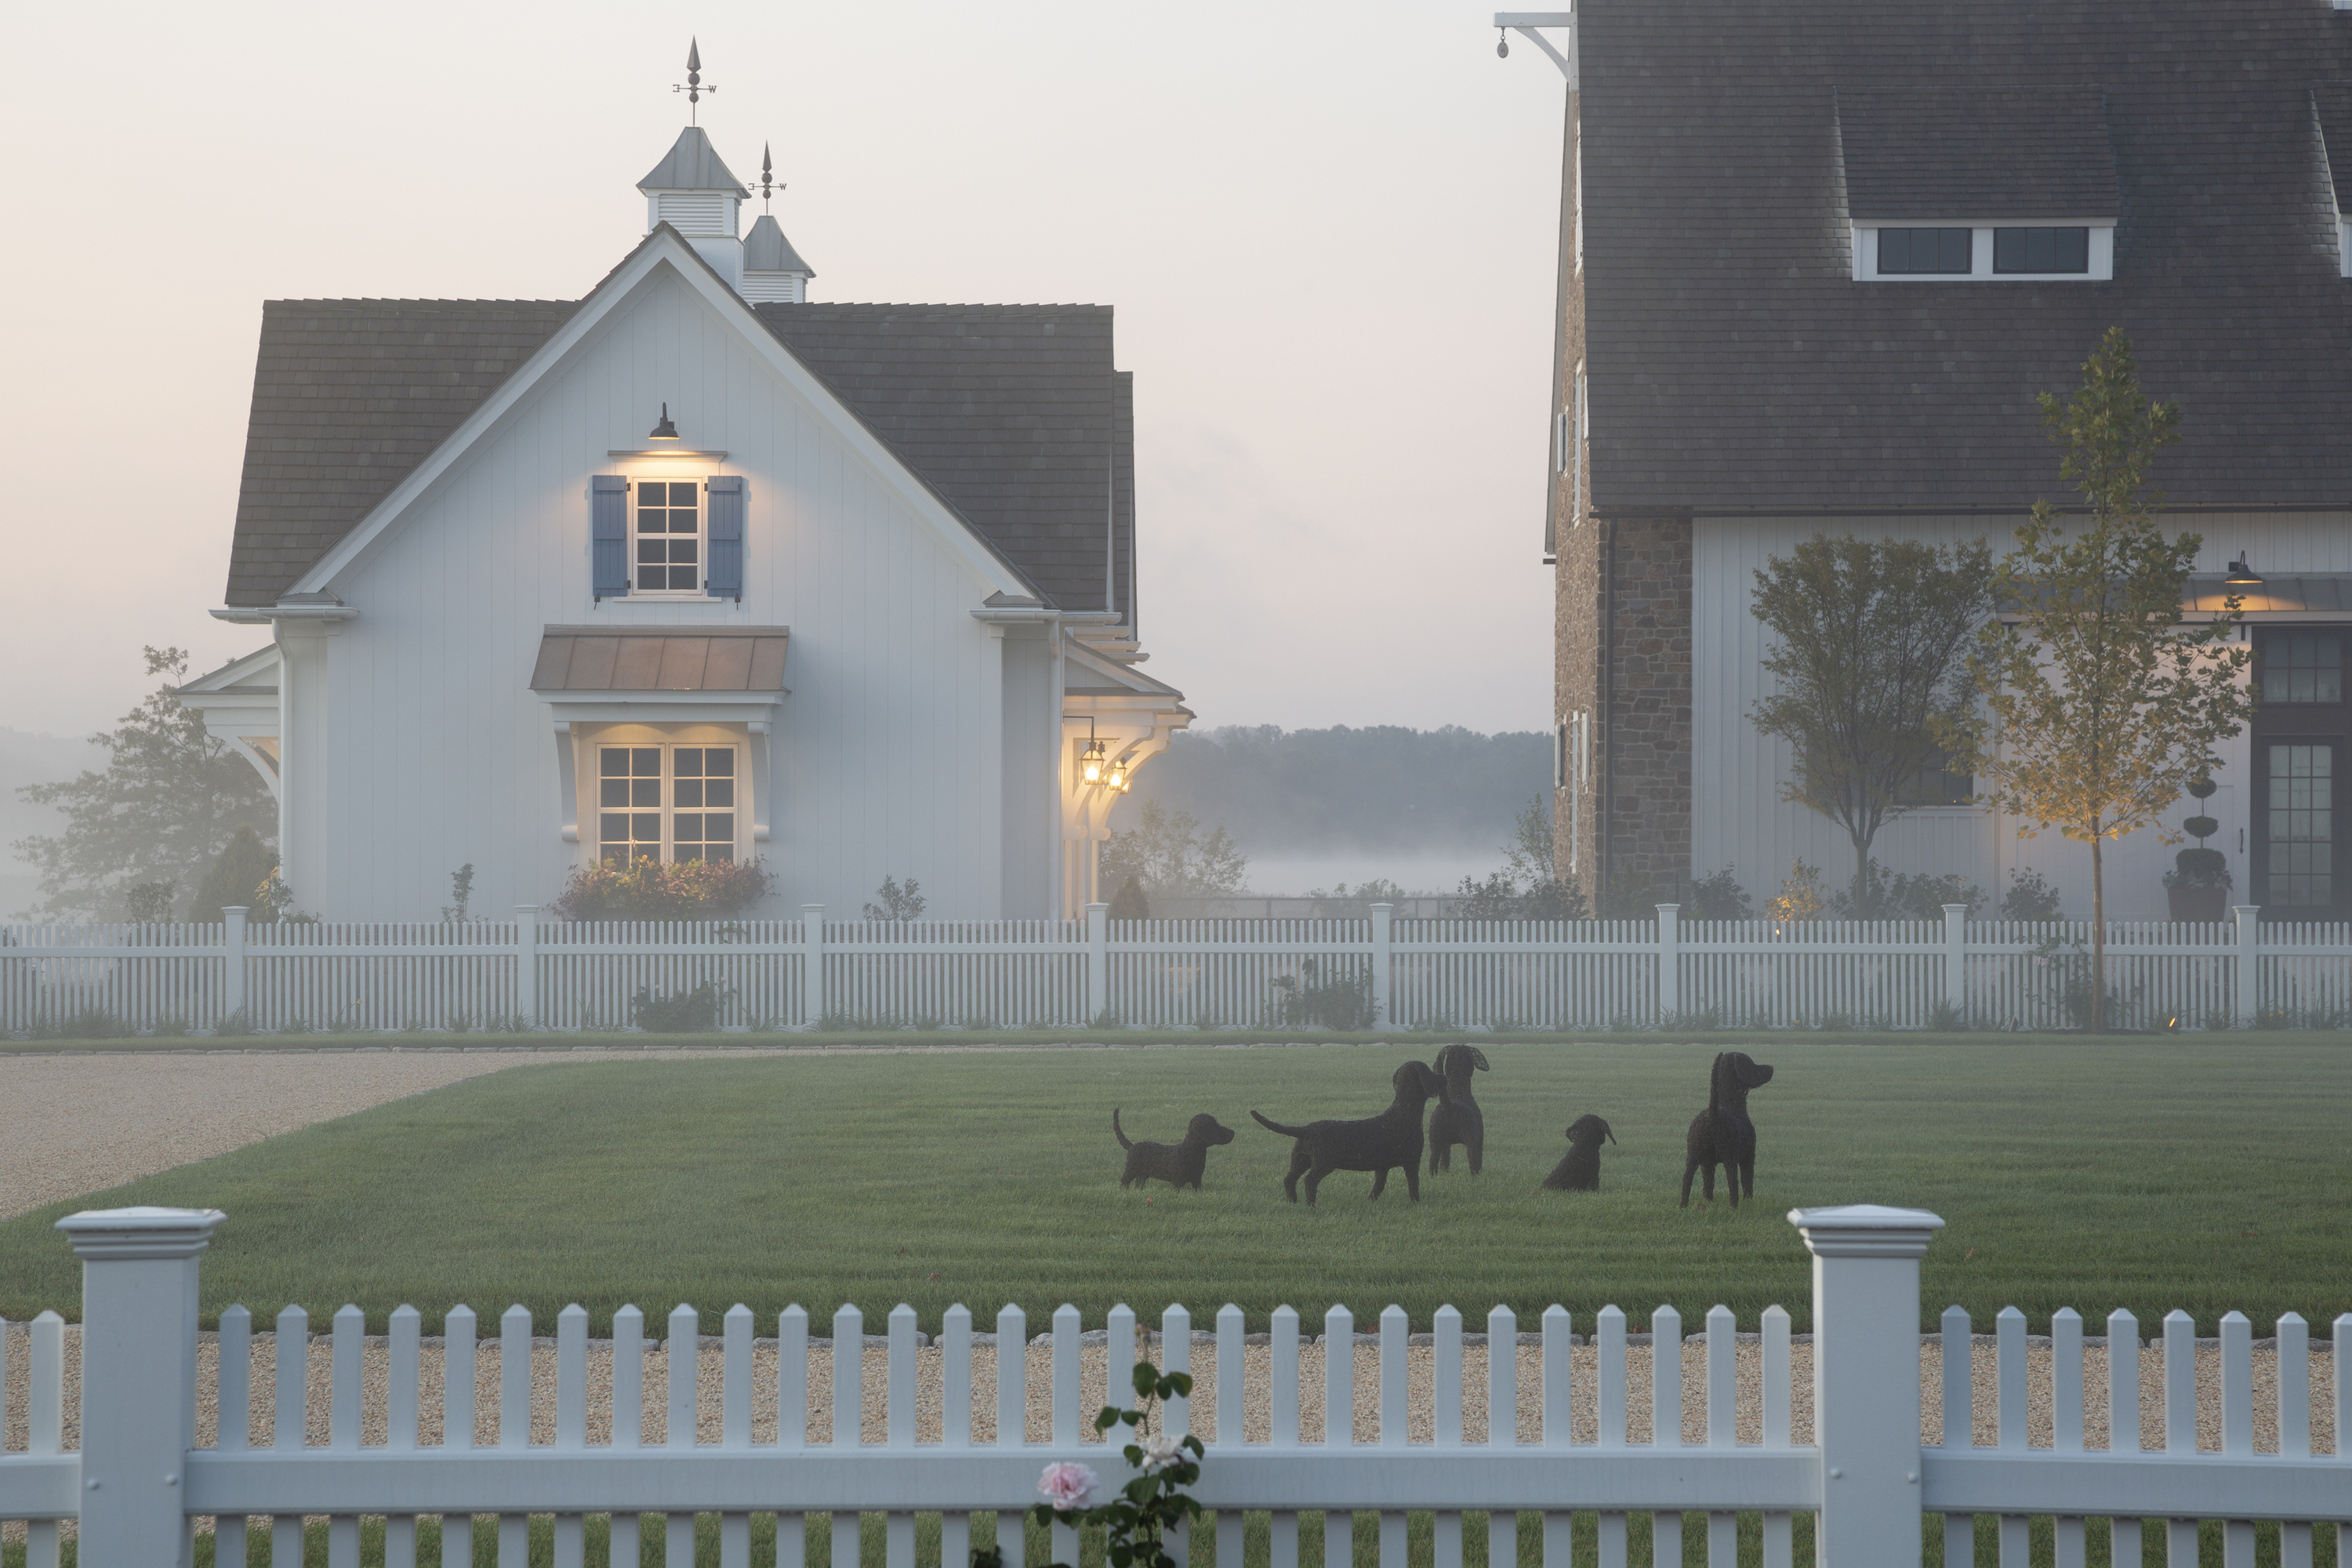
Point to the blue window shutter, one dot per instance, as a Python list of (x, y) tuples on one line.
[(609, 514), (725, 580)]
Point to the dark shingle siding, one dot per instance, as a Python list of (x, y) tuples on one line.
[(1736, 364), (1960, 152)]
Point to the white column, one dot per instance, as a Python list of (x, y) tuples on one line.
[(526, 1002), (1097, 960), (2248, 981), (233, 967), (1956, 958), (1381, 914), (139, 1277), (1670, 977), (1866, 1379), (811, 965)]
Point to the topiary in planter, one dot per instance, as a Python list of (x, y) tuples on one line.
[(2198, 868), (2202, 789), (2202, 827)]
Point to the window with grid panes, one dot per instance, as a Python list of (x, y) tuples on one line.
[(2303, 825), (702, 791), (629, 802), (2302, 666), (1918, 251), (2041, 250), (668, 554)]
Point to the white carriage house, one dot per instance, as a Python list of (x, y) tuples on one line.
[(689, 568)]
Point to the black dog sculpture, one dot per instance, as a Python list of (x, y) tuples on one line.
[(1457, 1119), (1377, 1143), (1579, 1170), (1177, 1165), (1722, 1135)]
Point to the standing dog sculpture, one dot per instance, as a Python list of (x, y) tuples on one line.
[(1722, 1135), (1177, 1164), (1579, 1170), (1377, 1143), (1457, 1119)]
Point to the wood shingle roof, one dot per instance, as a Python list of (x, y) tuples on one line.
[(1727, 146)]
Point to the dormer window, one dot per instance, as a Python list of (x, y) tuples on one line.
[(2042, 250), (1914, 250), (1953, 252)]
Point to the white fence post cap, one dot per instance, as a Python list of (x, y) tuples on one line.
[(1866, 1230), (142, 1232)]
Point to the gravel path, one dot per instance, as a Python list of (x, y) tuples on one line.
[(84, 1124)]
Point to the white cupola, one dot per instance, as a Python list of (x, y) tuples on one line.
[(773, 272), (692, 190)]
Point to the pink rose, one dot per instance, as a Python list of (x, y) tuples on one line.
[(1066, 1486)]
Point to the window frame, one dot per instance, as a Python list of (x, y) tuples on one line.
[(699, 739), (2099, 244), (699, 485), (2261, 672)]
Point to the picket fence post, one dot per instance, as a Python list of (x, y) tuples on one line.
[(1670, 966), (138, 1379), (1380, 916), (812, 966), (1097, 960), (1866, 1379), (2249, 995), (233, 955), (526, 1002), (1955, 959)]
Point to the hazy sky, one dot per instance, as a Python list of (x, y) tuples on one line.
[(1328, 232)]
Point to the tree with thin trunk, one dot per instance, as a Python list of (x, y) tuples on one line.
[(1869, 658), (2099, 703)]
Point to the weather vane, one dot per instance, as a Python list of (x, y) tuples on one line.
[(693, 87), (769, 184)]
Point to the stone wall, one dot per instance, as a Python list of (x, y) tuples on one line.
[(1647, 794)]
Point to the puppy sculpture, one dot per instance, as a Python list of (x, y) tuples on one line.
[(1579, 1170), (1177, 1164), (1722, 1135), (1376, 1143), (1457, 1119)]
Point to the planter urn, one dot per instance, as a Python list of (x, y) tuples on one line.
[(2199, 905)]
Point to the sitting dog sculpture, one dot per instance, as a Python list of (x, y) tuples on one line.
[(1457, 1119), (1177, 1164), (1579, 1170), (1722, 1135), (1376, 1143)]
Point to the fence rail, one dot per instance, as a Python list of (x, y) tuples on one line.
[(1429, 1436), (1380, 973)]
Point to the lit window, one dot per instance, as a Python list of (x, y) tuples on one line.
[(2302, 666), (1923, 250), (669, 553), (2041, 250), (695, 822)]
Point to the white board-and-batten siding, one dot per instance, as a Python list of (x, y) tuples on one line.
[(431, 747), (1740, 820)]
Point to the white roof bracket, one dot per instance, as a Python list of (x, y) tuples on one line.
[(1525, 23)]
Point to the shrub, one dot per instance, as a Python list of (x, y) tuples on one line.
[(662, 891), (694, 1012), (1129, 903), (2030, 898), (898, 904), (1342, 1001), (236, 877), (1718, 897)]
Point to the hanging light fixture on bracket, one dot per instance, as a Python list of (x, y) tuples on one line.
[(1118, 779), (2242, 575), (1090, 760), (665, 431)]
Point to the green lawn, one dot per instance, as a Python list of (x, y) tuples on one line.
[(2155, 1173)]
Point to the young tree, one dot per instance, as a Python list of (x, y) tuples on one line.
[(2099, 704), (169, 802), (1167, 853), (1871, 636)]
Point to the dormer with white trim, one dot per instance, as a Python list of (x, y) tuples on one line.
[(693, 192)]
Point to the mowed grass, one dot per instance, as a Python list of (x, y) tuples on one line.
[(2153, 1174)]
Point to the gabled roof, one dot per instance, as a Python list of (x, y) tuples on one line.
[(1014, 412), (1733, 363), (1013, 416), (692, 163)]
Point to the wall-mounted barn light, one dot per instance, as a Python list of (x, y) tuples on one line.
[(2242, 575), (665, 431)]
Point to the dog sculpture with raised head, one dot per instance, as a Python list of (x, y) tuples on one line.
[(1722, 1135), (1177, 1164), (1376, 1143), (1579, 1170), (1457, 1119)]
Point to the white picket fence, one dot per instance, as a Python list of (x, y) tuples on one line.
[(139, 1487), (1380, 973)]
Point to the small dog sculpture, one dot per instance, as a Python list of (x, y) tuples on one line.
[(1457, 1119), (1177, 1164), (1376, 1143), (1722, 1135), (1579, 1170)]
